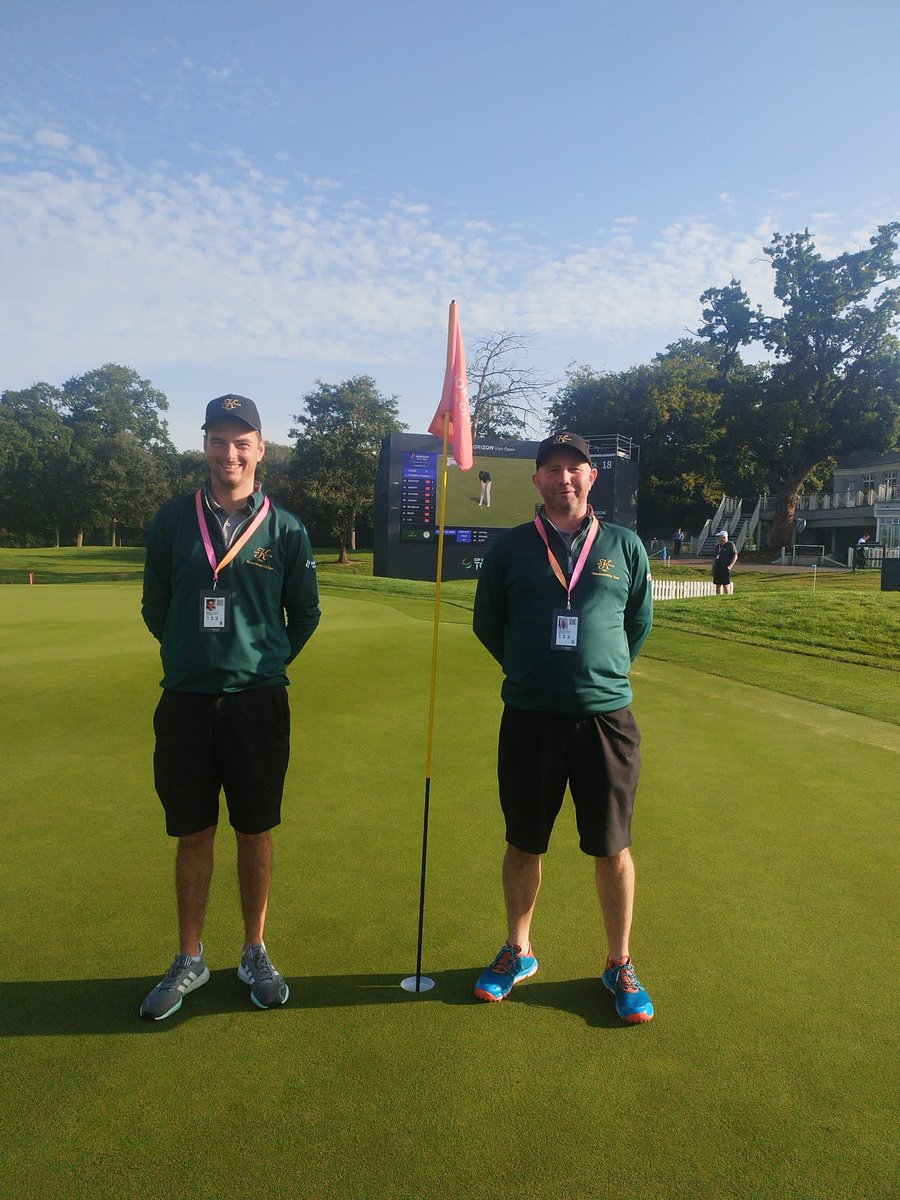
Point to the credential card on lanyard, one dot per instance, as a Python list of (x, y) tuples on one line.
[(566, 629), (567, 622), (215, 611)]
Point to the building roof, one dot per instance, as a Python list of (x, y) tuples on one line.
[(865, 458)]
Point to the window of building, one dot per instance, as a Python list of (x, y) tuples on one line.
[(890, 484)]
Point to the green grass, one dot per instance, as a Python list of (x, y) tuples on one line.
[(765, 844), (67, 564), (845, 617)]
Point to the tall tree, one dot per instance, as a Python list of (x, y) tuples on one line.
[(833, 385), (670, 408), (338, 438), (126, 483), (111, 400), (35, 458), (507, 397), (277, 472), (69, 455), (111, 409)]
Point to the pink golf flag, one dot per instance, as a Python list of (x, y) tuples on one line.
[(455, 397)]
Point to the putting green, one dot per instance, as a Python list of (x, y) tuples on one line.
[(763, 841)]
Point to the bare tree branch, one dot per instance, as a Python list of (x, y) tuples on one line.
[(508, 398)]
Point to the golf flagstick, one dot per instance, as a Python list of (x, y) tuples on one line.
[(454, 406), (420, 982)]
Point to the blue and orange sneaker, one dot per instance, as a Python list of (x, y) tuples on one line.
[(632, 1002), (510, 965)]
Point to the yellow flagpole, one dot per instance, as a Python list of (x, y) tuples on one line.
[(418, 982), (437, 598)]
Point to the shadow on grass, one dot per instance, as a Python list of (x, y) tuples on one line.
[(67, 1007), (585, 998)]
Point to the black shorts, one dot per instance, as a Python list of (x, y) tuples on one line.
[(721, 576), (236, 741), (599, 757)]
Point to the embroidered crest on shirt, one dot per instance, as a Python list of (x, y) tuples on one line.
[(261, 556), (603, 568)]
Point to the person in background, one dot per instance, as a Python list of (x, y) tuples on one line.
[(724, 560)]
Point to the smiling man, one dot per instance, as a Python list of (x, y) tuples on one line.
[(230, 592), (564, 604)]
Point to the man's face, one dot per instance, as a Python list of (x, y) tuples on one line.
[(233, 451), (564, 480)]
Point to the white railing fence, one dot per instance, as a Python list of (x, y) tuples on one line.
[(682, 589), (862, 498)]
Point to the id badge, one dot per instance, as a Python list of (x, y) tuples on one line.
[(215, 612), (566, 629)]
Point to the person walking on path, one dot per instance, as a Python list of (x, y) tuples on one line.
[(724, 560), (230, 593), (564, 604)]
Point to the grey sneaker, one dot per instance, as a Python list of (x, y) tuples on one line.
[(267, 988), (185, 975)]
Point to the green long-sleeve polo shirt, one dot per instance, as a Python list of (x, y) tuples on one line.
[(274, 599), (514, 603)]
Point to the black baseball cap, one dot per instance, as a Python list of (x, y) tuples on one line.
[(232, 408), (563, 441)]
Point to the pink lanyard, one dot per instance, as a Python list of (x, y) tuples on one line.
[(207, 541), (582, 558)]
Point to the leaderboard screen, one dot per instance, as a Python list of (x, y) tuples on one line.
[(496, 494), (407, 504)]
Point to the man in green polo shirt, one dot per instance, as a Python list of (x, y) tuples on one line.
[(230, 593), (564, 604)]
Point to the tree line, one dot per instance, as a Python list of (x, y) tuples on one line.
[(92, 459), (710, 423)]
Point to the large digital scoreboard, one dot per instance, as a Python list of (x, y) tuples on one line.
[(407, 500)]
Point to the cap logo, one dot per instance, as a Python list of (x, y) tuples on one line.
[(563, 437), (231, 403)]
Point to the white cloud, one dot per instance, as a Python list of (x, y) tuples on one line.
[(105, 263), (52, 139)]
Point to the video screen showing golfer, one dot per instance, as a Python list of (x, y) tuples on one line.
[(564, 604), (230, 593)]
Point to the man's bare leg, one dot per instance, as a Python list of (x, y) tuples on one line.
[(254, 860), (193, 872), (521, 884), (615, 887)]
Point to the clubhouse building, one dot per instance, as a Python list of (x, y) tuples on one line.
[(865, 499)]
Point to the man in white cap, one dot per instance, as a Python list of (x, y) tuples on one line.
[(723, 563)]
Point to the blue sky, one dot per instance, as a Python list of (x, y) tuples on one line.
[(234, 197)]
